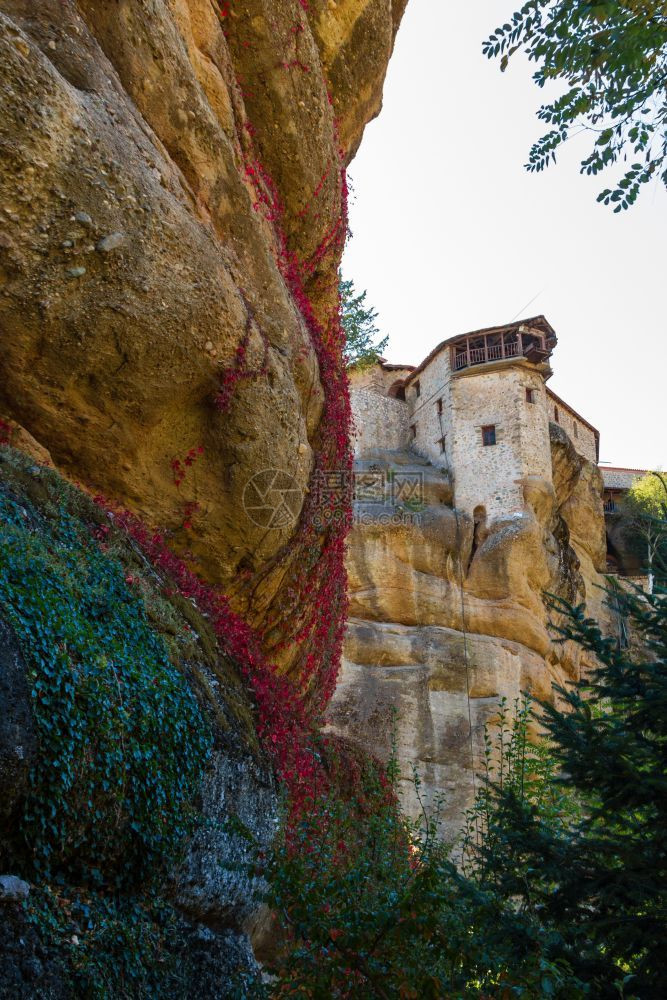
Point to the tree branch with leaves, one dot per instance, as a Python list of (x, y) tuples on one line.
[(612, 58), (362, 348)]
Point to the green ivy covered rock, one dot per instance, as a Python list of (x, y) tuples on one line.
[(138, 787)]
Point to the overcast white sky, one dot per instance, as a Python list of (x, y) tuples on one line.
[(452, 234)]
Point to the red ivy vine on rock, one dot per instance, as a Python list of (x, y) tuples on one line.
[(179, 467), (313, 605), (312, 609), (6, 432), (240, 369), (285, 722), (315, 601)]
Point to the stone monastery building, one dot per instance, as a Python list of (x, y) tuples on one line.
[(479, 407)]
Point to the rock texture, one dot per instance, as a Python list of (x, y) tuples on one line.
[(136, 252), (166, 167), (218, 906), (448, 616), (18, 742)]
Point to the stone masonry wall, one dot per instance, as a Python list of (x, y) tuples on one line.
[(580, 434), (377, 378), (379, 422), (443, 420), (434, 386), (492, 475)]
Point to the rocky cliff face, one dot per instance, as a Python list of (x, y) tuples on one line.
[(100, 658), (447, 617), (172, 206), (172, 220)]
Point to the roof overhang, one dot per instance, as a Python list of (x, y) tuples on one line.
[(539, 323)]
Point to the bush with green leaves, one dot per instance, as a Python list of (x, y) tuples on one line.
[(112, 947), (122, 742), (372, 905), (643, 512), (612, 58)]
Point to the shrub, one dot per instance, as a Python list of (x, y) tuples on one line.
[(373, 906)]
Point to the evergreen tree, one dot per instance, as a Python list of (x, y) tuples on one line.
[(362, 348), (594, 871)]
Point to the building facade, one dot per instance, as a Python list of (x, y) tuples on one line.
[(479, 408), (617, 482)]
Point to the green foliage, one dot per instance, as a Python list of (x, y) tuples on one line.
[(649, 496), (374, 907), (562, 886), (122, 741), (593, 874), (121, 948), (612, 58), (362, 349), (520, 777), (643, 512)]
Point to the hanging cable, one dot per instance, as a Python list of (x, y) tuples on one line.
[(464, 628)]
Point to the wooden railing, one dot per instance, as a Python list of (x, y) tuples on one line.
[(490, 352)]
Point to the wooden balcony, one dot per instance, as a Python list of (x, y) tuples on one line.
[(480, 349)]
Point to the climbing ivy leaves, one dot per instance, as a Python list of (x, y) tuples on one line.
[(122, 740)]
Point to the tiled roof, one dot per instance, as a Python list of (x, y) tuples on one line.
[(616, 478), (570, 409)]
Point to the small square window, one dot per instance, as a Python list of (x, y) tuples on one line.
[(489, 434), (418, 389), (531, 396)]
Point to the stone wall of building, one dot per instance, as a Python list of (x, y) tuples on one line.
[(580, 433), (615, 478), (444, 423), (378, 377), (379, 422), (429, 401), (492, 476)]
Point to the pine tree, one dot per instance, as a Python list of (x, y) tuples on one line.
[(593, 870), (361, 347)]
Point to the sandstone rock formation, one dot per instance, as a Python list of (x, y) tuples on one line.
[(146, 146), (172, 216), (447, 617)]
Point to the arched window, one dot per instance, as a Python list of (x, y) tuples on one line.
[(397, 390)]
